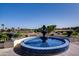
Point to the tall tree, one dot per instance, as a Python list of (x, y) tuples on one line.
[(2, 26)]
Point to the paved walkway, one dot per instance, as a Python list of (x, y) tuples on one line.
[(72, 51), (7, 52)]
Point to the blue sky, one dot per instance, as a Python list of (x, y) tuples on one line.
[(35, 15)]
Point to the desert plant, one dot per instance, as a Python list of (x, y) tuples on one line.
[(18, 34), (51, 28), (75, 33), (64, 33), (3, 37), (26, 35), (10, 35), (69, 33), (52, 35)]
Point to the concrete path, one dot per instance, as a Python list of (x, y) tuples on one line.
[(72, 51), (7, 52)]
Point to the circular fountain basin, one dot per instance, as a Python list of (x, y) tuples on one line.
[(34, 45)]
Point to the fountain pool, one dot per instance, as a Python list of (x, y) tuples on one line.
[(34, 45), (43, 45)]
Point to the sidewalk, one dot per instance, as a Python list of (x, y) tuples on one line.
[(72, 51)]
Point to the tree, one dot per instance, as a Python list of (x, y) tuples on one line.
[(69, 33), (13, 29), (35, 30), (2, 26), (51, 28), (75, 29)]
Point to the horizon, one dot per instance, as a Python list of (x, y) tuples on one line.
[(30, 15)]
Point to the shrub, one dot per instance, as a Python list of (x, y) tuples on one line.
[(64, 33), (52, 35), (69, 33), (75, 33), (17, 34), (26, 35), (3, 37), (10, 35)]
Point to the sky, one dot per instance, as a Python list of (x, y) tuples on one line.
[(30, 15)]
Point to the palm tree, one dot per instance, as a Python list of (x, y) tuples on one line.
[(51, 28), (2, 26), (18, 28), (12, 29)]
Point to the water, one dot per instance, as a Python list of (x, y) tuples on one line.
[(37, 42)]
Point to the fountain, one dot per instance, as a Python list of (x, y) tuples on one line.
[(44, 45), (44, 31)]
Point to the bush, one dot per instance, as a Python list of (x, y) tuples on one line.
[(26, 35), (17, 34), (3, 37), (75, 33), (52, 34), (64, 33)]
